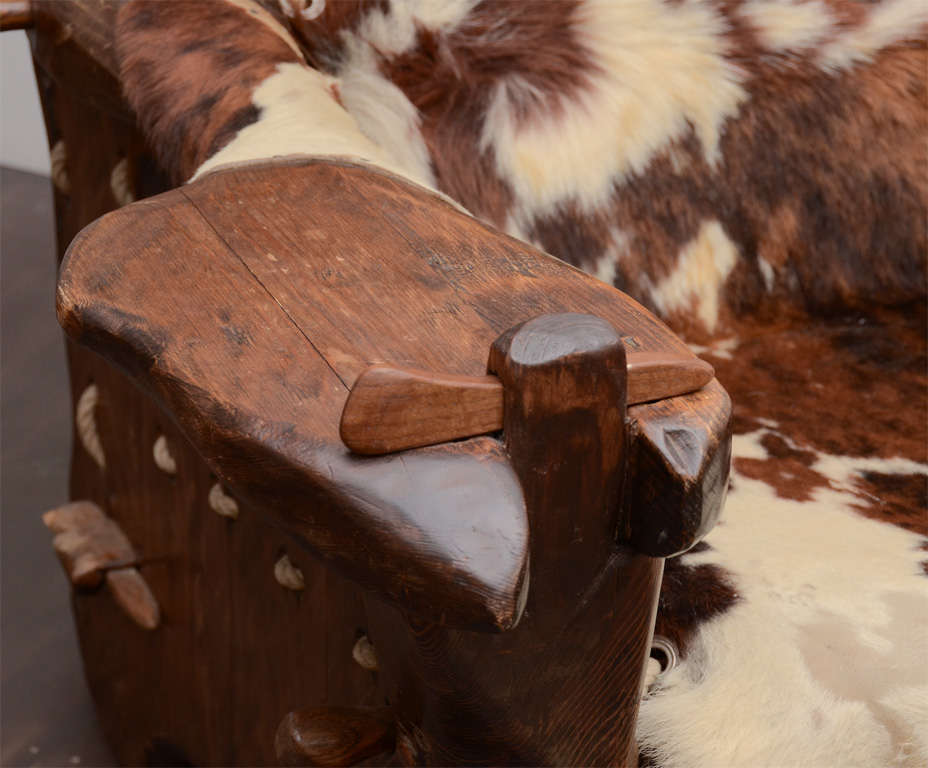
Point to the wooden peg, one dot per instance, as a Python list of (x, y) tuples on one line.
[(334, 736), (15, 14), (87, 542), (94, 550), (394, 409)]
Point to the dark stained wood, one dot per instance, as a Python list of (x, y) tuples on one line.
[(678, 468), (393, 409), (73, 42), (91, 24), (335, 736), (234, 650), (258, 397), (316, 233), (322, 301), (565, 382), (15, 14), (87, 542), (248, 322), (567, 695), (194, 561), (562, 687)]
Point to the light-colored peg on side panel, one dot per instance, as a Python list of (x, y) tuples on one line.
[(162, 455), (364, 654), (121, 183), (221, 503), (58, 158), (85, 419), (288, 575)]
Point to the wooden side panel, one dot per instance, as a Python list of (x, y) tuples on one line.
[(235, 650)]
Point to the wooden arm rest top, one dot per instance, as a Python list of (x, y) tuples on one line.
[(248, 302)]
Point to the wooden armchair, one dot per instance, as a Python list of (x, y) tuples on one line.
[(481, 587)]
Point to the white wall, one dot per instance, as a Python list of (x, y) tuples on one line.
[(22, 130)]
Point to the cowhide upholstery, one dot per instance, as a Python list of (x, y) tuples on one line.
[(753, 170)]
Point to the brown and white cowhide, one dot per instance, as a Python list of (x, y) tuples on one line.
[(753, 170), (815, 652)]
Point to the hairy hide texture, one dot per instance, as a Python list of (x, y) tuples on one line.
[(754, 171), (808, 647)]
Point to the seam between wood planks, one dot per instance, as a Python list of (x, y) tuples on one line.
[(266, 289)]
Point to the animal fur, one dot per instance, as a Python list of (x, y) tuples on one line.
[(752, 170)]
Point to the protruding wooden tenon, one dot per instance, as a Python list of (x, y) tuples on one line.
[(563, 686), (93, 550), (394, 409)]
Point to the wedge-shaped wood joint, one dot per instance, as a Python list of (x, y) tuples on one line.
[(394, 409), (87, 542), (334, 736), (93, 549)]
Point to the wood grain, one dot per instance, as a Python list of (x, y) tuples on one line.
[(260, 299), (393, 409), (565, 379), (658, 375), (234, 650), (335, 736), (245, 306), (262, 407), (562, 687), (252, 357), (73, 42)]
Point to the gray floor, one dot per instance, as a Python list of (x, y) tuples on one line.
[(46, 715)]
